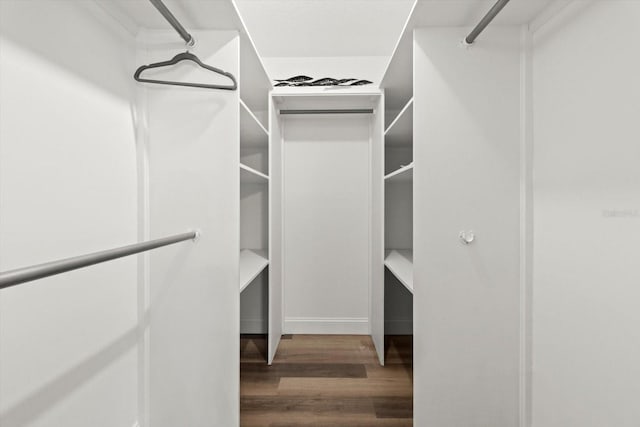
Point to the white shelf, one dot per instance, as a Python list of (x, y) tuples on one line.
[(252, 176), (252, 131), (400, 131), (404, 174), (252, 262), (400, 263), (326, 99)]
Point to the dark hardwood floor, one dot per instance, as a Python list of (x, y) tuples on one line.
[(326, 380)]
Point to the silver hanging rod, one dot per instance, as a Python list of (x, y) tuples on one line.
[(188, 38), (348, 111), (39, 271), (485, 21)]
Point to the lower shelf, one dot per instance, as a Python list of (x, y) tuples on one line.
[(252, 262), (400, 263)]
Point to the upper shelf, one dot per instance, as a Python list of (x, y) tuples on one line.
[(400, 131), (252, 262), (327, 99), (400, 263), (252, 132), (251, 176), (404, 174)]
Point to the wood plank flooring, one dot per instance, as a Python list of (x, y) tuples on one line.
[(326, 380)]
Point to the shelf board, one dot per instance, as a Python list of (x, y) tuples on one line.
[(251, 176), (326, 98), (252, 262), (400, 131), (404, 174), (400, 263), (252, 131)]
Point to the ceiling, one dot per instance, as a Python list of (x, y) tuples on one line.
[(440, 13), (323, 28)]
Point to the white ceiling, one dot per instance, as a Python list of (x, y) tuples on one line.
[(323, 28), (192, 14), (469, 12), (303, 28)]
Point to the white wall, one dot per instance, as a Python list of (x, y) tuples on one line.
[(192, 140), (326, 234), (466, 177), (586, 340), (67, 187)]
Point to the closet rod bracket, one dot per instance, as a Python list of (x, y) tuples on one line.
[(173, 21)]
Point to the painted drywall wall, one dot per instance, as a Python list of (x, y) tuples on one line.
[(68, 186), (192, 141), (466, 177), (586, 341), (326, 223)]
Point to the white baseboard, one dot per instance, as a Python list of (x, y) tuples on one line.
[(253, 326), (398, 327), (326, 326)]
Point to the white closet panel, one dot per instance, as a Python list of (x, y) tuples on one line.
[(275, 232), (377, 297), (326, 217), (467, 177), (193, 307)]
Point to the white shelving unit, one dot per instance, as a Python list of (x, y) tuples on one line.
[(399, 168), (254, 171), (251, 176), (252, 131), (398, 77), (252, 262), (401, 128), (404, 174), (400, 263), (255, 83)]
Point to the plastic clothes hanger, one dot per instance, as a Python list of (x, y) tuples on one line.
[(185, 56)]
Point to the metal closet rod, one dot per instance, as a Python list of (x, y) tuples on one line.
[(39, 271), (485, 21), (188, 38), (346, 111)]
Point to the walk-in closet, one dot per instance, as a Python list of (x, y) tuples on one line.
[(263, 213)]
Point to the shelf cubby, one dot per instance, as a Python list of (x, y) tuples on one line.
[(400, 263)]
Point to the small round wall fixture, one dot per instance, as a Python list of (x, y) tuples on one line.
[(467, 237)]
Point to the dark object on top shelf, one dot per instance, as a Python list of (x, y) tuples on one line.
[(295, 79), (306, 81)]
